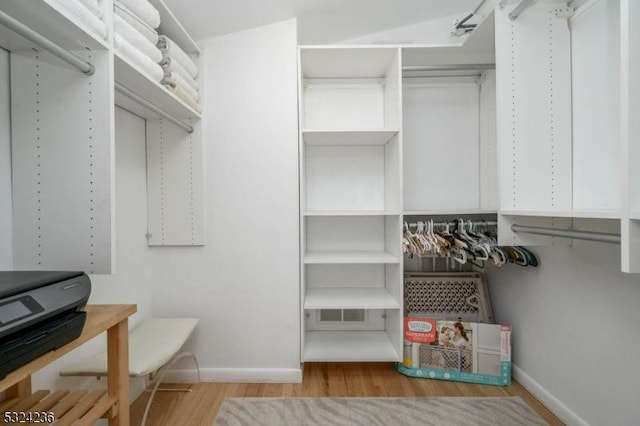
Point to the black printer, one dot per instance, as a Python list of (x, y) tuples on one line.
[(39, 311)]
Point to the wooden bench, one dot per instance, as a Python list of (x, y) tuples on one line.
[(155, 345)]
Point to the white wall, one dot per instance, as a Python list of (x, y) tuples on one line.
[(575, 330), (243, 285), (6, 222)]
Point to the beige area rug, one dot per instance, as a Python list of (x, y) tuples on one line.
[(445, 411)]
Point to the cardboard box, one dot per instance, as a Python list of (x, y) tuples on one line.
[(458, 351)]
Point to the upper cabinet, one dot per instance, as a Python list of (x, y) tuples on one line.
[(65, 73)]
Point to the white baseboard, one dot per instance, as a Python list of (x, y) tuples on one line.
[(554, 405), (246, 375)]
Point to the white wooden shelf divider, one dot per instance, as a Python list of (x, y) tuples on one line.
[(349, 298), (350, 213), (349, 257), (348, 137)]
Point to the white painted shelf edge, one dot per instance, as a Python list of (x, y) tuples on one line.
[(349, 298), (133, 78), (348, 137), (349, 257), (587, 214), (634, 215), (344, 346), (350, 213), (452, 212)]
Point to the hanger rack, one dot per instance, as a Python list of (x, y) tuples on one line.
[(519, 8), (145, 103), (568, 233), (38, 39)]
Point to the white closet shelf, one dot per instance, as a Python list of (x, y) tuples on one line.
[(586, 214), (348, 137), (345, 346), (351, 213), (131, 77), (51, 21), (349, 298), (634, 215), (348, 257)]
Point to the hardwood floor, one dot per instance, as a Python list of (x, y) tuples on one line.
[(199, 408)]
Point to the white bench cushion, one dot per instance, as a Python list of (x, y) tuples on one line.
[(152, 344)]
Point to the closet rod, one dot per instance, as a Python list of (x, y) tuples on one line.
[(568, 233), (513, 15), (449, 67), (473, 223), (43, 42), (145, 103)]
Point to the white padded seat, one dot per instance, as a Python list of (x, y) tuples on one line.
[(154, 346)]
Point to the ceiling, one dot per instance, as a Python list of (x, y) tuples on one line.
[(319, 21)]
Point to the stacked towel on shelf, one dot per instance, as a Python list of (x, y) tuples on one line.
[(85, 16), (132, 19), (143, 10), (170, 49), (136, 39), (179, 72), (134, 22), (143, 62)]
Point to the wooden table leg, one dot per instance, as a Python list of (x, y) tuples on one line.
[(20, 390), (118, 371)]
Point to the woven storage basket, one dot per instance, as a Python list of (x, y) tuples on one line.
[(447, 296)]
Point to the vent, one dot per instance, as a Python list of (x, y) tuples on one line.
[(342, 315)]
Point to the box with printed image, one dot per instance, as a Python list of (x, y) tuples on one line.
[(458, 351)]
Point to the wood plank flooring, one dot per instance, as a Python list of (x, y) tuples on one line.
[(199, 408)]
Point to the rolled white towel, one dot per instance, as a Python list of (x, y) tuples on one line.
[(144, 10), (174, 79), (136, 39), (137, 23), (170, 65), (169, 48), (139, 59)]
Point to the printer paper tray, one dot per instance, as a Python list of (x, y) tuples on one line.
[(28, 344)]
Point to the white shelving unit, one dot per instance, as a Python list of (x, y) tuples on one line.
[(350, 156), (63, 140)]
